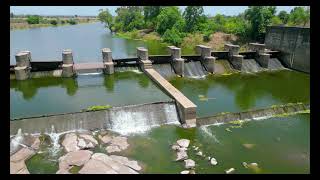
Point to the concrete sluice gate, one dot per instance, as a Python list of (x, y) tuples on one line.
[(124, 120)]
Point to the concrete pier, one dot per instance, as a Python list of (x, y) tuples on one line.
[(144, 62), (67, 66), (263, 59), (29, 58), (237, 61), (22, 73), (186, 109), (108, 65), (207, 60), (177, 61), (22, 59), (233, 49), (67, 57)]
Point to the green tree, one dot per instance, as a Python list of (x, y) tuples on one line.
[(259, 18), (105, 17), (53, 22), (167, 19), (172, 36), (193, 15), (284, 16), (275, 20), (150, 15), (129, 18), (34, 19), (299, 16)]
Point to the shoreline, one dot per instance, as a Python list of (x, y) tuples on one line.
[(46, 25)]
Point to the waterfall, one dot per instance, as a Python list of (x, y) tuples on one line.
[(16, 141), (250, 65), (128, 68), (130, 120), (194, 69), (54, 136), (165, 70), (275, 64)]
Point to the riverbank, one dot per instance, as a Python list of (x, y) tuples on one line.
[(216, 40), (21, 23)]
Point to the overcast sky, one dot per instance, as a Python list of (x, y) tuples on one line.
[(94, 10)]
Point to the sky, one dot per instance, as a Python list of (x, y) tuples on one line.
[(94, 10)]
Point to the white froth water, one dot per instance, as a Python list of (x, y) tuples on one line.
[(129, 122), (208, 132), (89, 74), (16, 141), (55, 148)]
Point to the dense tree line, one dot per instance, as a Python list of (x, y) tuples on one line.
[(173, 25), (36, 19)]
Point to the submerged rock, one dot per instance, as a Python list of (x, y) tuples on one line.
[(183, 143), (213, 161), (229, 171), (248, 146), (252, 166), (189, 164), (199, 153)]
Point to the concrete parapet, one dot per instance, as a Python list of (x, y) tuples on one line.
[(106, 55), (22, 59), (186, 109), (205, 52), (175, 52), (198, 49), (67, 70), (236, 61), (263, 60), (22, 72), (142, 53), (29, 57), (259, 48), (67, 57), (108, 67), (178, 65)]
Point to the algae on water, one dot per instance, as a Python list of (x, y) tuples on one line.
[(98, 107)]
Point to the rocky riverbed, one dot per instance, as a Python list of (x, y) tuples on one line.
[(78, 152)]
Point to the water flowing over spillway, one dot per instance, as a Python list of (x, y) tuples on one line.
[(127, 68), (127, 120), (251, 65), (275, 64), (194, 69), (165, 70)]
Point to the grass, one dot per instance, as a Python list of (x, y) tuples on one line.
[(98, 107)]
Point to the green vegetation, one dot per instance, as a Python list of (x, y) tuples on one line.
[(97, 108), (34, 19), (172, 26)]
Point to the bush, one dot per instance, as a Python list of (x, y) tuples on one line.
[(172, 36), (33, 19), (72, 21), (54, 22), (63, 22)]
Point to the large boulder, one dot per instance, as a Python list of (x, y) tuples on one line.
[(117, 144), (125, 161), (70, 142), (105, 138), (94, 166), (189, 164), (181, 155), (118, 167), (183, 143), (17, 161), (74, 158)]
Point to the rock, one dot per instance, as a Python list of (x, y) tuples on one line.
[(70, 142), (18, 167), (213, 161), (175, 147), (248, 146), (81, 143), (89, 138), (22, 155), (75, 158), (189, 164), (96, 167), (125, 161), (181, 155), (36, 144), (120, 141), (245, 164), (183, 142), (209, 158), (196, 148), (199, 153), (182, 149), (105, 139), (63, 171), (184, 172), (252, 166), (112, 148), (229, 171), (118, 167), (192, 172)]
